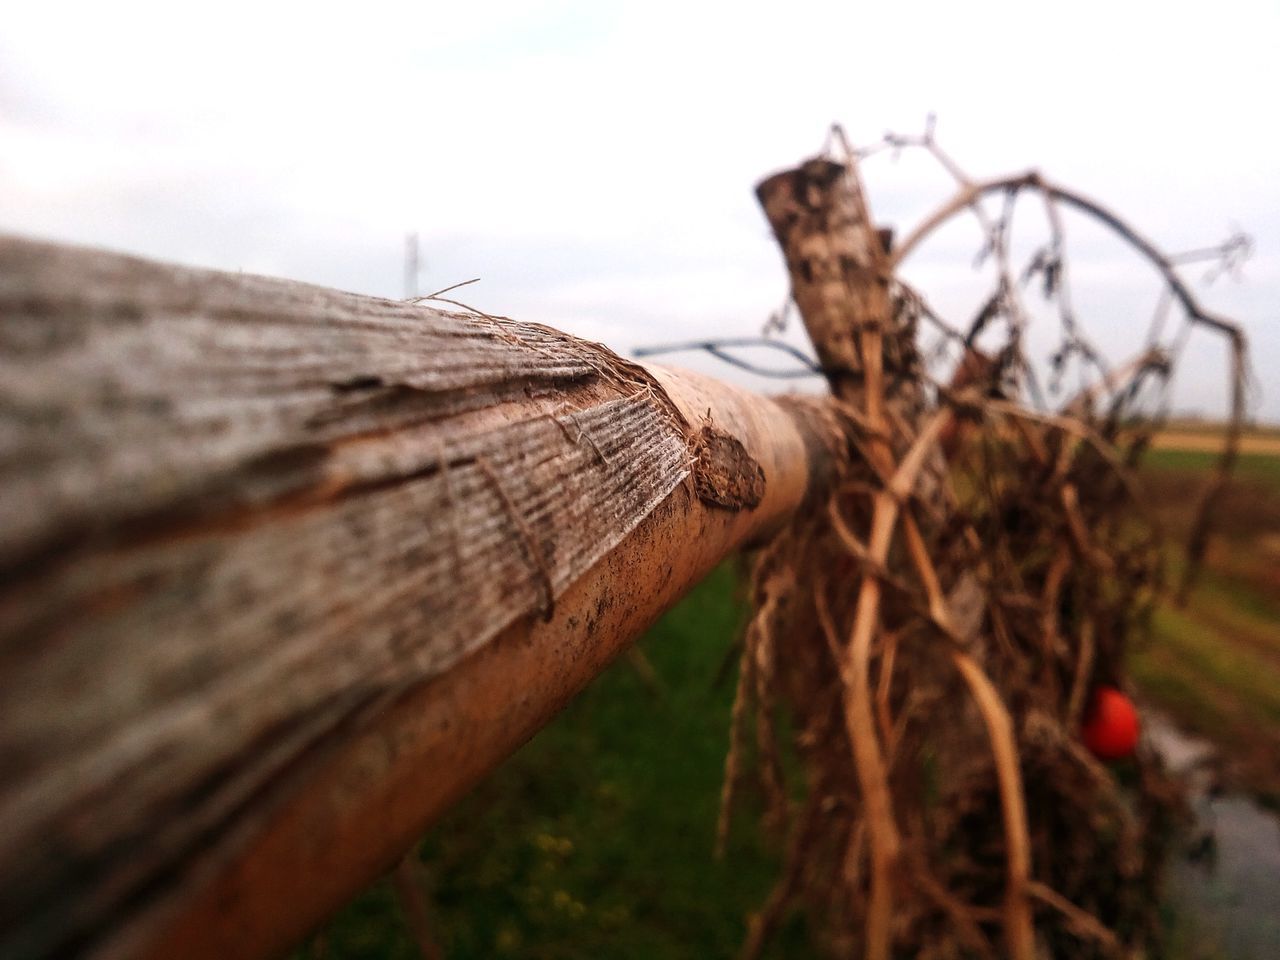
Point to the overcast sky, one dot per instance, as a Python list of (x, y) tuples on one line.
[(594, 162)]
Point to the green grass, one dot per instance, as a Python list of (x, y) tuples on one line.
[(1260, 468), (596, 838), (1184, 941), (1244, 606), (1215, 665)]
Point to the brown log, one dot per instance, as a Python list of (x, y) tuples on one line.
[(284, 571)]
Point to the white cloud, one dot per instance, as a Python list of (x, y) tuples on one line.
[(595, 160)]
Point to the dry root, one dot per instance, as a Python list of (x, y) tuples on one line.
[(935, 685), (933, 632)]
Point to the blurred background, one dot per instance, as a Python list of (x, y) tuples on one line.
[(593, 162)]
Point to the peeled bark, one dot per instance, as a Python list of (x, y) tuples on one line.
[(283, 571)]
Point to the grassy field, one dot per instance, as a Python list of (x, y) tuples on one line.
[(1214, 665), (596, 838)]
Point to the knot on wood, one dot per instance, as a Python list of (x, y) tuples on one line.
[(725, 475)]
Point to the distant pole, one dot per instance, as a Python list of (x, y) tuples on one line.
[(410, 266)]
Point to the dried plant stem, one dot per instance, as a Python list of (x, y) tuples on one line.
[(1019, 934), (737, 742), (1021, 563), (884, 712), (873, 373), (407, 883), (762, 924), (855, 667), (960, 913), (860, 724), (1081, 921), (1031, 179), (1084, 668), (770, 764), (1018, 927)]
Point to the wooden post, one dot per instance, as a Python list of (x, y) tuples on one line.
[(840, 280), (838, 267), (284, 571)]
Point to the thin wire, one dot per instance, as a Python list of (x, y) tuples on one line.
[(717, 349)]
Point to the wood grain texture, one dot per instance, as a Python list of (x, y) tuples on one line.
[(240, 517), (834, 259)]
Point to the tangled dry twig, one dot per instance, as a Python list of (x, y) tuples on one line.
[(935, 628)]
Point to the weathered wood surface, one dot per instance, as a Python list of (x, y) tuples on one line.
[(245, 521), (838, 268)]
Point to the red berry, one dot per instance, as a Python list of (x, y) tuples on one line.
[(1111, 725)]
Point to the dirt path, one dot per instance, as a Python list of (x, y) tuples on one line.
[(1210, 441)]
